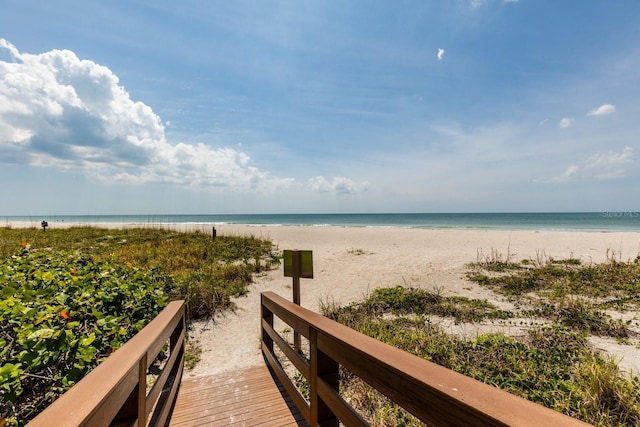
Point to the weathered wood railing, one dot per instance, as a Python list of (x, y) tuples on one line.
[(115, 392), (434, 394)]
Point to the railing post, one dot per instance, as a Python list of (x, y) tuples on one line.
[(297, 272), (266, 315), (326, 369), (134, 408), (177, 332), (142, 391)]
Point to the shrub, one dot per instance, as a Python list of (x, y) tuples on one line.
[(60, 315)]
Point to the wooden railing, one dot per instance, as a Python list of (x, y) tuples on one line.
[(434, 394), (115, 392)]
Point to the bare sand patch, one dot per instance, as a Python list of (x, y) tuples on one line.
[(350, 262)]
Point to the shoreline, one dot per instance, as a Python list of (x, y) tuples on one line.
[(206, 226), (605, 221)]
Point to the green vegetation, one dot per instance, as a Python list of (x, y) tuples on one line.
[(60, 315), (401, 301), (552, 365), (70, 297), (207, 273), (612, 279), (570, 293)]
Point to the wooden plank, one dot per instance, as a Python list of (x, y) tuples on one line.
[(287, 384), (250, 397)]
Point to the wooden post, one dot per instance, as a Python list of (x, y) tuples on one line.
[(297, 272), (142, 392), (266, 315), (293, 268), (134, 408), (326, 369)]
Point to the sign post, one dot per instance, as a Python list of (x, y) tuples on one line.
[(297, 264)]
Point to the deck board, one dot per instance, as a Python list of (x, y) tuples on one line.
[(247, 397)]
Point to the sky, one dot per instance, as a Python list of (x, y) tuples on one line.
[(320, 106)]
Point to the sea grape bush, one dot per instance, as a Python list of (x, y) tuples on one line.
[(61, 313)]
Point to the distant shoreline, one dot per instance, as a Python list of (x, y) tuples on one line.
[(563, 221)]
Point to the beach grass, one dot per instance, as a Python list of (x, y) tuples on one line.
[(569, 292), (552, 363)]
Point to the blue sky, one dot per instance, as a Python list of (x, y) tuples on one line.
[(135, 107)]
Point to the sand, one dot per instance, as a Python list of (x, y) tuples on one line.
[(350, 262)]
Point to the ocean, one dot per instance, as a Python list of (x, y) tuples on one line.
[(571, 221)]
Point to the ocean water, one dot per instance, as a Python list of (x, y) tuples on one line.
[(578, 221)]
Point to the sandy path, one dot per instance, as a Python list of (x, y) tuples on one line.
[(348, 262)]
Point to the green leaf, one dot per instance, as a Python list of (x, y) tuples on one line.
[(88, 340), (8, 371), (42, 318), (47, 277), (7, 291), (43, 333)]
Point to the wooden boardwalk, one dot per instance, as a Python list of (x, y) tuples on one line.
[(247, 397)]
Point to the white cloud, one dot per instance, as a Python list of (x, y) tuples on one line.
[(57, 110), (565, 122), (440, 54), (599, 166), (339, 185), (602, 110), (477, 3), (610, 159), (571, 171)]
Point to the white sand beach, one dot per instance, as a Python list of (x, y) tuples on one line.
[(349, 262)]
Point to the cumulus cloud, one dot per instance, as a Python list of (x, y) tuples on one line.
[(440, 54), (565, 122), (57, 110), (600, 166), (602, 110), (338, 185)]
